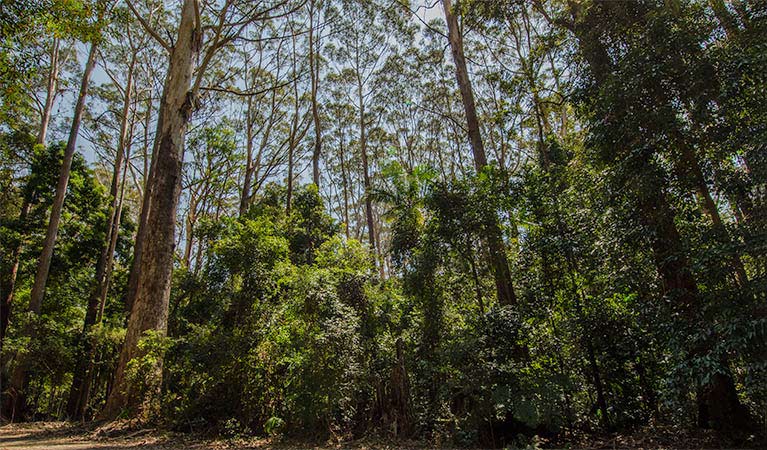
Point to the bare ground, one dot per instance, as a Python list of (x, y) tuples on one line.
[(122, 436), (63, 436)]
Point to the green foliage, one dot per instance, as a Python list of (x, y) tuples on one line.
[(25, 27), (144, 372), (294, 295), (274, 426), (310, 225), (626, 186)]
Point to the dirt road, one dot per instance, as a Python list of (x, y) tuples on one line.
[(62, 436), (115, 436), (65, 436)]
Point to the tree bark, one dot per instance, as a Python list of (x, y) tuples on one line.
[(296, 134), (314, 72), (135, 270), (245, 196), (687, 167), (20, 378), (45, 118), (464, 85), (718, 403), (149, 306), (50, 96), (191, 220), (41, 277), (366, 168), (79, 391), (344, 182), (717, 400), (494, 236), (401, 408)]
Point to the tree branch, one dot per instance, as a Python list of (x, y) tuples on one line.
[(148, 28)]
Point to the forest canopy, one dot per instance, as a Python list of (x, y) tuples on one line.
[(464, 222)]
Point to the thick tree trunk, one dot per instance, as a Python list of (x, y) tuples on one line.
[(718, 404), (149, 307), (20, 377), (596, 378), (149, 170), (401, 409), (78, 393), (494, 236), (676, 278)]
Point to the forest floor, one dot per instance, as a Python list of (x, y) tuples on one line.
[(65, 436)]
